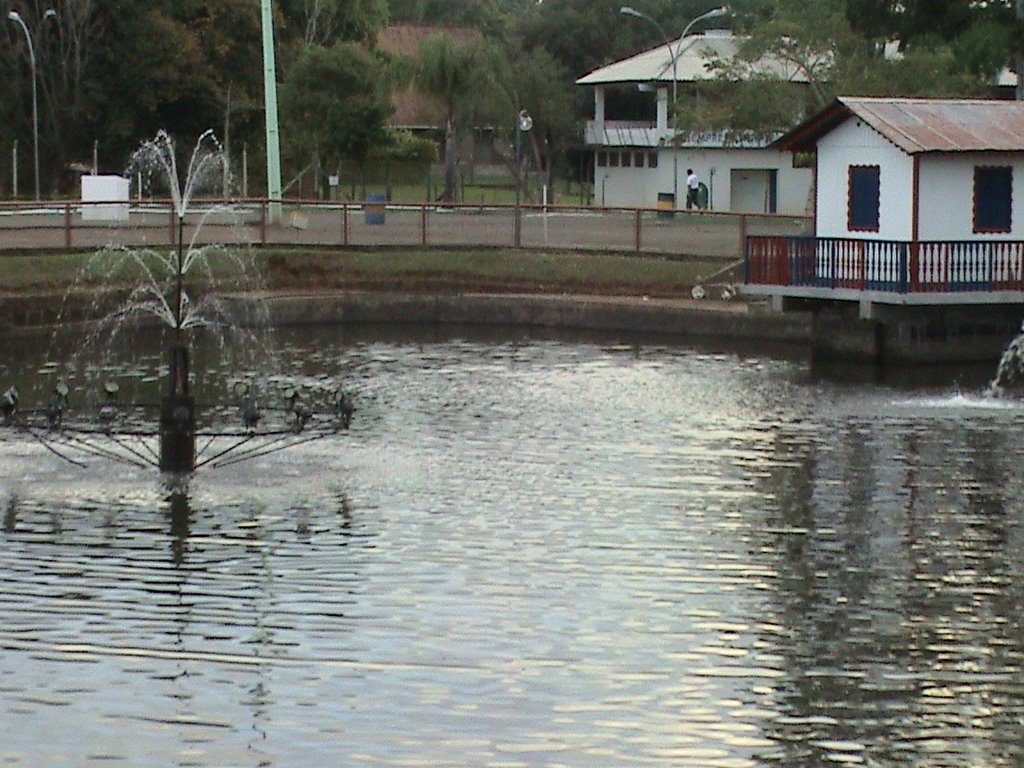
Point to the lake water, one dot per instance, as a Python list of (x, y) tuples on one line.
[(533, 552)]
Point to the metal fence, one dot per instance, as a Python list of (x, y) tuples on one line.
[(380, 224)]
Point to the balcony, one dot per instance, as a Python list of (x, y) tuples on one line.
[(886, 271), (627, 133)]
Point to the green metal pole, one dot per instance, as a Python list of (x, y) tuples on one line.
[(270, 108)]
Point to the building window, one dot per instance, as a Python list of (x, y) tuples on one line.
[(862, 214), (613, 159), (652, 159), (638, 159), (993, 198), (627, 159), (602, 159)]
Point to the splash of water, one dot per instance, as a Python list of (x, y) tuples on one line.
[(155, 161), (1010, 371)]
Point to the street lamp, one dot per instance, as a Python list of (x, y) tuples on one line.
[(523, 123), (16, 18), (674, 52)]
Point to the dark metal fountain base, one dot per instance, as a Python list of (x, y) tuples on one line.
[(174, 442), (178, 418), (177, 433)]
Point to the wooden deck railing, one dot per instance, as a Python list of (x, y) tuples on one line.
[(885, 265)]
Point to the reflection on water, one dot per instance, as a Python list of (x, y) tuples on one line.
[(534, 552)]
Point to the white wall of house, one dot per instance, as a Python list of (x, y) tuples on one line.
[(947, 196), (717, 168), (854, 143), (631, 187)]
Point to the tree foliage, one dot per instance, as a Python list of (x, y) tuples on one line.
[(453, 72), (112, 72), (333, 104), (323, 22)]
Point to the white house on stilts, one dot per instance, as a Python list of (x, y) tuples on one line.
[(918, 246)]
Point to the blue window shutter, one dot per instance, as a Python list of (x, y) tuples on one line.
[(993, 198), (864, 198)]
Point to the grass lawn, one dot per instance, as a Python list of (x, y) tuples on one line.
[(494, 270)]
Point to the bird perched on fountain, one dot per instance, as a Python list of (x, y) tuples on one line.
[(345, 408), (250, 414), (300, 411), (9, 403), (108, 411), (247, 406), (55, 408)]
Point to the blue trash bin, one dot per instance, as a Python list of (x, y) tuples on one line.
[(374, 209)]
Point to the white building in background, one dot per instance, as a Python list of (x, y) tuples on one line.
[(636, 164)]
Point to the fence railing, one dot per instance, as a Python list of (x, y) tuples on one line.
[(377, 223), (885, 265)]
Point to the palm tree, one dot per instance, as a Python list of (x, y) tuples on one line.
[(450, 71)]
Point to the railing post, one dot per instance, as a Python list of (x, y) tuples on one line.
[(423, 224), (746, 262), (743, 233), (637, 218), (67, 225), (904, 266)]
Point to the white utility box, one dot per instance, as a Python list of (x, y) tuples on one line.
[(105, 198)]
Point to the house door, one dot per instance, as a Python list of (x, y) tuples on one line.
[(754, 190)]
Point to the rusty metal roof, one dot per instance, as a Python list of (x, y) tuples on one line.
[(922, 125)]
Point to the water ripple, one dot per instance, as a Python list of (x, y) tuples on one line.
[(534, 553)]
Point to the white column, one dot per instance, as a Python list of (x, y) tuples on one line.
[(662, 120)]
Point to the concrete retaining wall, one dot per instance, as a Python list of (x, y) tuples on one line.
[(680, 318), (718, 319)]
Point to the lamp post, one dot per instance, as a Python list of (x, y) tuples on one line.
[(523, 123), (16, 18), (674, 52)]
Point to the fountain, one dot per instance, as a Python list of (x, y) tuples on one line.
[(170, 293), (1010, 371)]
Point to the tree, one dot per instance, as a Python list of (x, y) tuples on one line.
[(555, 26), (324, 22), (539, 84), (486, 16), (453, 72), (819, 42), (334, 104)]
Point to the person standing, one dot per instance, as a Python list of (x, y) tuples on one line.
[(692, 189)]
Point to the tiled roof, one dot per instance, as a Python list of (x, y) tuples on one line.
[(414, 109)]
